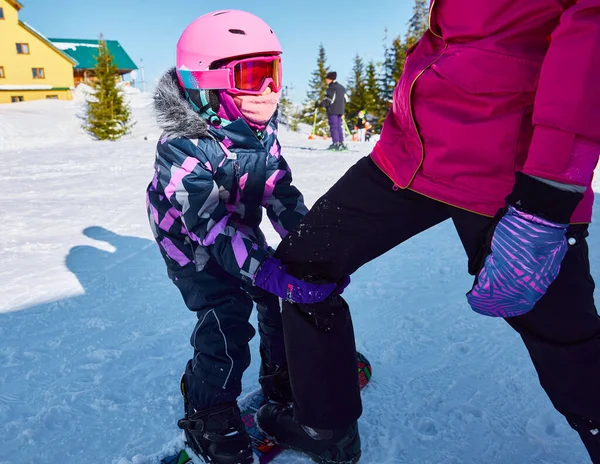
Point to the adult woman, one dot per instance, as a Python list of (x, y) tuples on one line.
[(496, 125)]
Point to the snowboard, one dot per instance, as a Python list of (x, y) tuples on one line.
[(263, 448)]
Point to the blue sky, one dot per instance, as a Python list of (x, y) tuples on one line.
[(149, 29)]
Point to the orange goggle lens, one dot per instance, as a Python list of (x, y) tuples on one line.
[(255, 75)]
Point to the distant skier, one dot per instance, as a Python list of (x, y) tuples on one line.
[(218, 163), (495, 124), (335, 103), (361, 122)]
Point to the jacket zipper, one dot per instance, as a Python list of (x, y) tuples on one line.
[(235, 185), (429, 20), (396, 187), (412, 116)]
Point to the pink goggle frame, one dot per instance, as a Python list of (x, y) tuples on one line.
[(248, 76)]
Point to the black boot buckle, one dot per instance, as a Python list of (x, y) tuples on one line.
[(187, 424)]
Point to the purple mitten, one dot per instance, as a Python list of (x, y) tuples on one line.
[(273, 278), (525, 259), (341, 285)]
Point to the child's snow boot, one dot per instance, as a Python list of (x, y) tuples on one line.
[(277, 422), (218, 434)]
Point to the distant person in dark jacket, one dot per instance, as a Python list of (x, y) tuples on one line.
[(335, 102)]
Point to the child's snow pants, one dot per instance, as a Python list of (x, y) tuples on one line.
[(220, 338)]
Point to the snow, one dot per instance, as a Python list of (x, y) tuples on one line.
[(95, 336), (25, 87), (82, 91), (73, 45), (29, 26)]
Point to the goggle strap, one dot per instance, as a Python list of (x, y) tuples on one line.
[(217, 79)]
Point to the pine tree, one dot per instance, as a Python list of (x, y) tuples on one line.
[(288, 115), (285, 106), (392, 68), (394, 59), (386, 84), (317, 85), (107, 115), (372, 89), (357, 90), (398, 59), (316, 93), (419, 22), (373, 99)]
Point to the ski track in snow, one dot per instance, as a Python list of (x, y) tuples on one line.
[(95, 336)]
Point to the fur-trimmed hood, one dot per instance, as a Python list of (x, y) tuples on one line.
[(175, 116)]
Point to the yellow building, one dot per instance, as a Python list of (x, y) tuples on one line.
[(31, 67)]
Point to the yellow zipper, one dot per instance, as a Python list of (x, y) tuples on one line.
[(395, 187), (429, 20), (412, 115)]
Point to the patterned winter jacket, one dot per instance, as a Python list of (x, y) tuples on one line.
[(210, 185)]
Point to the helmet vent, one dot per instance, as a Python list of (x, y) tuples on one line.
[(237, 31)]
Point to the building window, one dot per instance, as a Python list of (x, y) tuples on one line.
[(16, 99), (51, 97), (38, 73), (1, 13), (2, 75), (23, 49)]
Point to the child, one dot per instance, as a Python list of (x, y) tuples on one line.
[(217, 163), (360, 126)]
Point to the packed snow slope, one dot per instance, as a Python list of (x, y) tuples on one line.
[(94, 336)]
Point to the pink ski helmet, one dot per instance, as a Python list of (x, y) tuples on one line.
[(217, 37)]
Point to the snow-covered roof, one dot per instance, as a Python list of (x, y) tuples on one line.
[(73, 45), (84, 51), (49, 42), (33, 29)]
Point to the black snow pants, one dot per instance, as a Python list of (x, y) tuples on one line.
[(220, 339), (361, 217)]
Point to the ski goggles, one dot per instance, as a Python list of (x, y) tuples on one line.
[(250, 76)]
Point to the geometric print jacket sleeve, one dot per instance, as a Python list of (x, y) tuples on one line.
[(188, 184), (284, 202)]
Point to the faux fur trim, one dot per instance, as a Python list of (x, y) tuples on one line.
[(174, 114)]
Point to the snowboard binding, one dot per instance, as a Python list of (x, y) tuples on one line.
[(217, 434)]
